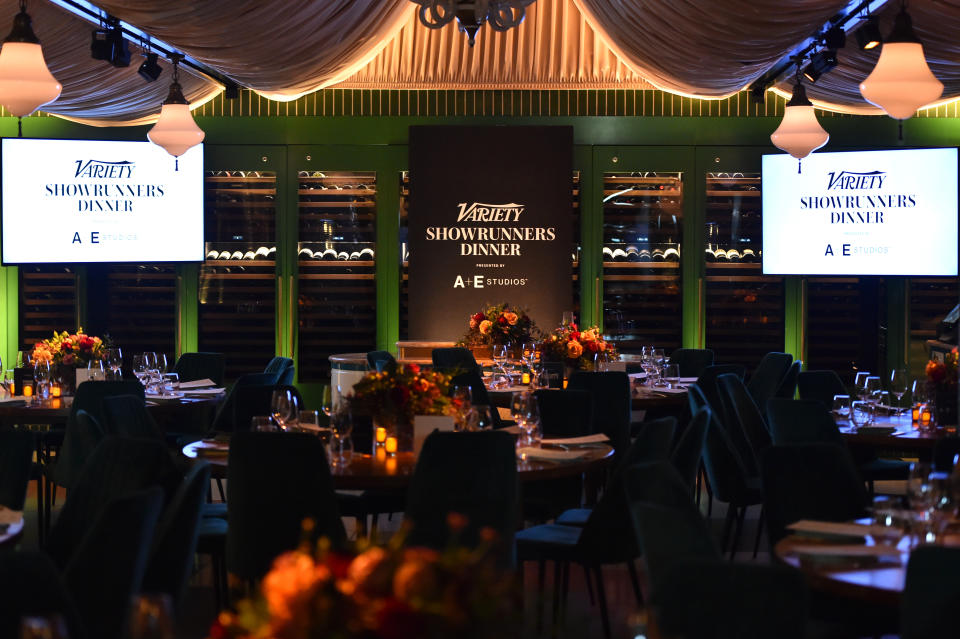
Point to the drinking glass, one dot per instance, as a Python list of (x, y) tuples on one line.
[(659, 359), (6, 380), (23, 359), (114, 359), (95, 370), (860, 382), (566, 319), (341, 426), (529, 354), (262, 424), (859, 414), (841, 406), (499, 355), (326, 402), (43, 627), (531, 419), (871, 393), (462, 396), (309, 421), (170, 383), (139, 366), (283, 405), (162, 362), (518, 406), (899, 380), (671, 375), (41, 380), (151, 616), (480, 418)]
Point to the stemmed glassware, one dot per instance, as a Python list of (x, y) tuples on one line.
[(462, 396), (95, 370), (525, 410), (341, 426), (41, 380), (52, 626), (898, 386), (860, 382), (872, 394), (114, 360), (326, 402), (500, 353), (284, 408), (151, 617)]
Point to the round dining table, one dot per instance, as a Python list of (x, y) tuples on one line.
[(56, 411), (380, 471), (895, 434)]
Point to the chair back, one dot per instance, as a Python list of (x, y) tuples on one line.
[(788, 385), (16, 457), (809, 481), (472, 474), (725, 469), (175, 541), (90, 396), (117, 466), (654, 442), (747, 601), (565, 413), (82, 435), (108, 566), (747, 427), (191, 367), (688, 452), (227, 419), (612, 404), (801, 421), (33, 587), (707, 383), (765, 380), (931, 593), (127, 416), (820, 386), (454, 360), (379, 360), (691, 361), (283, 370), (276, 481)]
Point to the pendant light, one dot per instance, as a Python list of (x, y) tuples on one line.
[(799, 133), (176, 131), (26, 83), (901, 82)]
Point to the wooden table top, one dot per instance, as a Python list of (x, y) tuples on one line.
[(643, 397), (381, 471), (57, 411), (906, 435)]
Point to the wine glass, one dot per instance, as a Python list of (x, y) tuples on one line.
[(326, 401), (284, 408), (859, 415), (499, 355), (841, 406), (114, 359), (95, 371), (480, 418), (861, 382), (151, 616), (162, 365), (531, 419), (23, 359), (898, 386), (518, 406), (341, 426), (41, 379), (529, 353)]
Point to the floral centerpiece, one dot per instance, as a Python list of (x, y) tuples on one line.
[(499, 324), (394, 396), (64, 349), (942, 387), (577, 349), (391, 592)]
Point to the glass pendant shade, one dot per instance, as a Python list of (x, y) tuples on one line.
[(901, 82), (26, 83), (799, 133), (176, 131)]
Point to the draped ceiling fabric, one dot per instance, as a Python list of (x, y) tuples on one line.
[(554, 48), (282, 49), (94, 92)]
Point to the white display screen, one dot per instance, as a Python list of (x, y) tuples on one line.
[(861, 213), (75, 201)]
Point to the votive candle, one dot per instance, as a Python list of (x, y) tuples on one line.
[(915, 413), (926, 415), (381, 434), (55, 390), (380, 455), (391, 445), (525, 378), (391, 465), (28, 390)]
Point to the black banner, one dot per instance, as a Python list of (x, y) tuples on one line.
[(490, 221)]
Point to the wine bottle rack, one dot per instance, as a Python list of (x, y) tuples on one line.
[(838, 333), (48, 303), (642, 223), (405, 254), (141, 312), (744, 309), (337, 300), (237, 285), (931, 298)]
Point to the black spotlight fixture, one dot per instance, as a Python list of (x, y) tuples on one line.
[(150, 70), (108, 44), (820, 62), (868, 35), (835, 38)]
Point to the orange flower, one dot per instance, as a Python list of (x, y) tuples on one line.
[(485, 327), (574, 349), (511, 318), (936, 371), (588, 336), (290, 584)]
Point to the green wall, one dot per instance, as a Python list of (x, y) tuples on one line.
[(635, 127)]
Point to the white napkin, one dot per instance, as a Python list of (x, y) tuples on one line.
[(550, 454), (200, 383), (845, 550), (15, 398), (202, 391), (577, 441), (841, 529)]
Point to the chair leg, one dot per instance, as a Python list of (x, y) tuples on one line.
[(41, 531), (635, 581), (557, 578), (756, 542), (602, 597), (541, 577), (727, 527), (217, 585), (566, 591), (586, 578), (223, 495), (741, 514)]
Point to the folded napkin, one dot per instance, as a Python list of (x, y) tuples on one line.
[(549, 454), (688, 380), (200, 383), (844, 551), (576, 441), (202, 391), (877, 430), (12, 400), (841, 529)]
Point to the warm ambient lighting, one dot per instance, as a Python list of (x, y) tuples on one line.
[(26, 83), (176, 130), (499, 14), (901, 82), (799, 133)]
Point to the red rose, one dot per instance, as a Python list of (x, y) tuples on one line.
[(573, 326), (414, 368), (593, 346), (479, 317), (575, 336), (338, 564), (502, 320)]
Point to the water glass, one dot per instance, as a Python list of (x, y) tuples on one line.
[(326, 402), (151, 616), (860, 382), (284, 408), (671, 375), (860, 414), (480, 418), (170, 383), (341, 426), (41, 380), (23, 359), (114, 360), (841, 406), (96, 371)]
